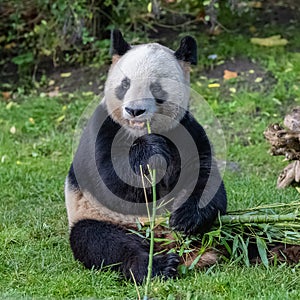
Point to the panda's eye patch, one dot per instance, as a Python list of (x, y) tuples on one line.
[(158, 93), (121, 90), (155, 88), (125, 83)]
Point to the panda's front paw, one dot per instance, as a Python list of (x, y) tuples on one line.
[(149, 150), (191, 220), (165, 265)]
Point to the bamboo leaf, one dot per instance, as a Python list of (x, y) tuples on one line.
[(137, 233), (181, 251), (244, 248), (165, 240), (182, 269), (226, 245), (262, 250), (269, 237), (188, 250), (194, 263), (235, 244)]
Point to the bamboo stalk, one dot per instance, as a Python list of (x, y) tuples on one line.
[(243, 219), (264, 207), (152, 225)]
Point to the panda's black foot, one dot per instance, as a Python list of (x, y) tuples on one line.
[(165, 265)]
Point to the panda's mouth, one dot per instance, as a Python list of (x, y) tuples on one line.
[(137, 124)]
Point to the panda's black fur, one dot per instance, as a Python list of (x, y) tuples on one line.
[(100, 242)]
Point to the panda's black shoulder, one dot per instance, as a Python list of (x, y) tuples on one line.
[(72, 181), (193, 126), (105, 134)]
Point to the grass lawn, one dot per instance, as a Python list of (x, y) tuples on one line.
[(36, 151)]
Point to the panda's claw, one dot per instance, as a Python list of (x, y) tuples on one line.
[(166, 265)]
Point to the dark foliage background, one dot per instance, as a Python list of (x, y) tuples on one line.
[(37, 34), (78, 31)]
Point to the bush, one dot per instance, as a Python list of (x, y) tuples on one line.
[(78, 31)]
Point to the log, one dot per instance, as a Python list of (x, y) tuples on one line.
[(286, 141)]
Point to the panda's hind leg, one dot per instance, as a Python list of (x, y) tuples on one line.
[(99, 243)]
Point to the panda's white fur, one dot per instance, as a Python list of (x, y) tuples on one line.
[(82, 206)]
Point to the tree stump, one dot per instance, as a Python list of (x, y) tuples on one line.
[(286, 141)]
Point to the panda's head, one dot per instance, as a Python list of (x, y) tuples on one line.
[(149, 82)]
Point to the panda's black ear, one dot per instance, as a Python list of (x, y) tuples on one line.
[(187, 50), (118, 45)]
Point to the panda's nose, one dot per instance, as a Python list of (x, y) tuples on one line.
[(134, 112)]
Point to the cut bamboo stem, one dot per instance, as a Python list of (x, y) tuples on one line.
[(243, 219)]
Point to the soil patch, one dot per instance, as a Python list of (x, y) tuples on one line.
[(71, 79), (279, 13), (250, 75)]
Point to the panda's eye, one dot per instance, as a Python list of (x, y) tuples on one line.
[(155, 88), (125, 83), (158, 93)]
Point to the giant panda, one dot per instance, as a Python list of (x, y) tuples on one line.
[(146, 84)]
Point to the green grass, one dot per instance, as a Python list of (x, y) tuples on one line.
[(36, 260)]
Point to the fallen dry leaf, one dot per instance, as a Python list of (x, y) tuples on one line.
[(11, 104), (10, 45), (60, 119), (217, 30), (65, 75), (3, 158), (12, 130), (255, 4), (271, 41), (214, 85), (54, 93), (229, 75), (6, 95)]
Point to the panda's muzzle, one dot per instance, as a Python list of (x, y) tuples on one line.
[(138, 112), (135, 112)]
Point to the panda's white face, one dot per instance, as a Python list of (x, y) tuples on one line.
[(147, 83)]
